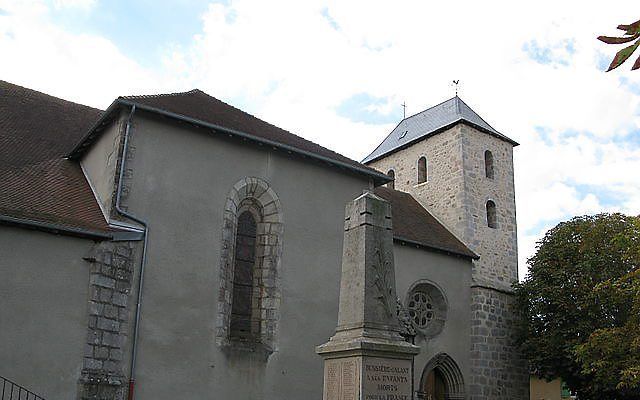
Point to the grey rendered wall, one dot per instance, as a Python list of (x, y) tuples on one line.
[(43, 314), (181, 177), (99, 164), (453, 276)]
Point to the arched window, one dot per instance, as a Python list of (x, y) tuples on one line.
[(422, 169), (488, 164), (245, 324), (492, 219), (392, 175), (250, 254)]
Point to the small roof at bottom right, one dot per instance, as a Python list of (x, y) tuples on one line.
[(414, 224)]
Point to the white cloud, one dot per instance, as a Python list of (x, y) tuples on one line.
[(293, 63), (81, 4)]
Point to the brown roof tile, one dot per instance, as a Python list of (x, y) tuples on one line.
[(52, 192), (198, 105), (413, 223), (35, 127)]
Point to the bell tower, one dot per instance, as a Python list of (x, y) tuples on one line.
[(461, 169)]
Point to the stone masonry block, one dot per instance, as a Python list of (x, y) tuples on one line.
[(103, 281)]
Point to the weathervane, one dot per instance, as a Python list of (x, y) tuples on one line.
[(455, 84), (404, 110)]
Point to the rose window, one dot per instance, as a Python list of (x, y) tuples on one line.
[(420, 309)]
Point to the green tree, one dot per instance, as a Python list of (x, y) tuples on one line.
[(579, 306), (631, 33)]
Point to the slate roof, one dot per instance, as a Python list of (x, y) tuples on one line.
[(430, 122), (412, 223), (197, 107)]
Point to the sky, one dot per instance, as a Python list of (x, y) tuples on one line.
[(337, 72)]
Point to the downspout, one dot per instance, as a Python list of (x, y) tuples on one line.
[(134, 345)]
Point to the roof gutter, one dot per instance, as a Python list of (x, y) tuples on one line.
[(378, 177), (400, 239), (369, 159), (53, 228)]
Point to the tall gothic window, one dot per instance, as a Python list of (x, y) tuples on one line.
[(491, 214), (488, 164), (244, 323), (422, 169), (392, 175)]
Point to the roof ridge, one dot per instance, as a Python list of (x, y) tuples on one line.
[(430, 108), (149, 96), (478, 115), (3, 82), (199, 91)]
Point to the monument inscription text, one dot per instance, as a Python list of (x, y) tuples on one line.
[(386, 379)]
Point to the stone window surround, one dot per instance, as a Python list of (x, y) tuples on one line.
[(440, 307), (391, 174), (426, 170), (489, 165), (492, 222), (262, 197)]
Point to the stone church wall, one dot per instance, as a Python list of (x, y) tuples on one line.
[(497, 247), (498, 371), (110, 310), (443, 193)]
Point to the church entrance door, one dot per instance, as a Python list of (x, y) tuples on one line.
[(434, 388), (441, 380)]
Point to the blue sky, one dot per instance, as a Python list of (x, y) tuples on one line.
[(336, 74), (141, 29)]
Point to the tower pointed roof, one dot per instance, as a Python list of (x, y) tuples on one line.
[(430, 122)]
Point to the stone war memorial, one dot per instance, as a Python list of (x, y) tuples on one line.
[(367, 358)]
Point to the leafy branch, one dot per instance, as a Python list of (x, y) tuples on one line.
[(632, 32)]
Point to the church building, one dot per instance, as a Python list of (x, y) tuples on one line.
[(173, 246)]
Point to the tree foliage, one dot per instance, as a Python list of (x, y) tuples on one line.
[(580, 306), (632, 34)]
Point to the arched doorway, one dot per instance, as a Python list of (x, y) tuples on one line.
[(434, 386), (441, 380)]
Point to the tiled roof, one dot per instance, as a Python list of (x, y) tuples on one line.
[(35, 127), (37, 131), (37, 185), (413, 224), (40, 186), (196, 106), (53, 192), (430, 122)]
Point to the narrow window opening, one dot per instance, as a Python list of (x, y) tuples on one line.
[(422, 169), (491, 214), (243, 324), (392, 175), (488, 164)]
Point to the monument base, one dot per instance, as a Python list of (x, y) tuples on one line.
[(367, 370)]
